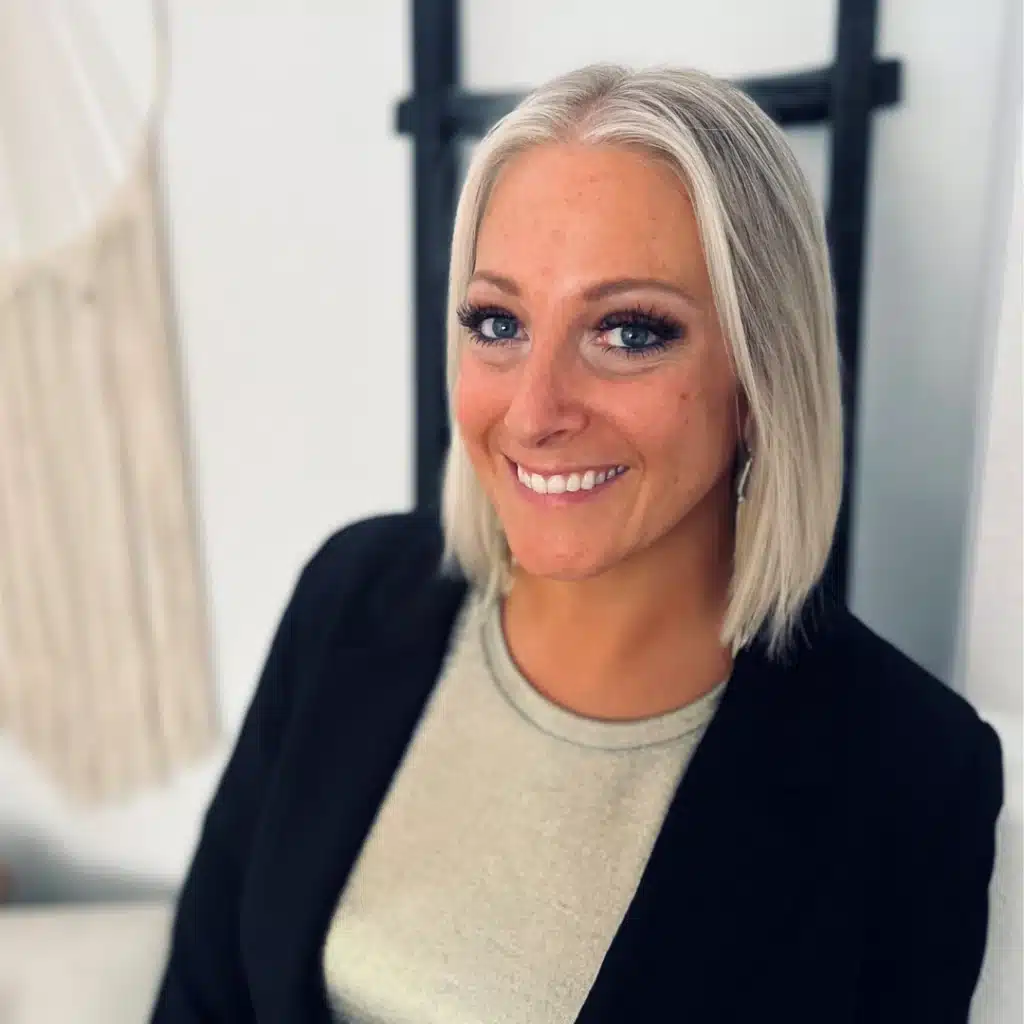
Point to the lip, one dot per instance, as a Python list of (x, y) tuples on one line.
[(566, 497)]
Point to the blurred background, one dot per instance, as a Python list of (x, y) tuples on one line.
[(283, 203)]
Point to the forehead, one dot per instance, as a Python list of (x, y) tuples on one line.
[(576, 212)]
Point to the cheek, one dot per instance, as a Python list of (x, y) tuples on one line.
[(656, 415), (707, 429), (685, 429), (477, 401)]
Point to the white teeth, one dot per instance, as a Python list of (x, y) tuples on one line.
[(559, 484)]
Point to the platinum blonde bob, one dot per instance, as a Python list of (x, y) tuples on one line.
[(764, 244)]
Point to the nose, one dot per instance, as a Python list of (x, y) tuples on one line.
[(545, 405)]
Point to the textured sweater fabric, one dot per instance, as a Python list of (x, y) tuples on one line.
[(507, 850)]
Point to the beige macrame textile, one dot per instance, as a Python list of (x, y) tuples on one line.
[(105, 673)]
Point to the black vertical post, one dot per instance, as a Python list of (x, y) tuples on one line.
[(848, 189), (435, 45)]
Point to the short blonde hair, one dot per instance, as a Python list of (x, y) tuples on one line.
[(764, 243)]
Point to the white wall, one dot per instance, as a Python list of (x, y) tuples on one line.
[(929, 260), (288, 197)]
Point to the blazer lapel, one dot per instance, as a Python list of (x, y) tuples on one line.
[(728, 878), (354, 727)]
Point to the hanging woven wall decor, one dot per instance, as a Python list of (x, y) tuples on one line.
[(105, 676)]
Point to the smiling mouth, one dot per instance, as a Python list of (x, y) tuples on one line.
[(573, 483)]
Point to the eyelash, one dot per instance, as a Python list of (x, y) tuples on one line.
[(666, 329)]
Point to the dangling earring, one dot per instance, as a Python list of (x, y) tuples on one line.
[(744, 475)]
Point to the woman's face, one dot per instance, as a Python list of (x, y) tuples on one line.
[(595, 396)]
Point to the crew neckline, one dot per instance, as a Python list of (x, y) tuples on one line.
[(579, 729)]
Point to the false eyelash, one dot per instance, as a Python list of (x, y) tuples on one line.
[(471, 316), (665, 327), (667, 330)]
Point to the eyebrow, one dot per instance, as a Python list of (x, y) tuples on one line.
[(601, 290)]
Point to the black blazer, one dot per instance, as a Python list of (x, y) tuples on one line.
[(825, 859)]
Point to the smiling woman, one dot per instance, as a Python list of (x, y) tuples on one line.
[(647, 225), (597, 747)]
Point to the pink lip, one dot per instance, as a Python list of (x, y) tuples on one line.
[(558, 500)]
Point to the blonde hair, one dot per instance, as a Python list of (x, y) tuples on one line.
[(764, 243)]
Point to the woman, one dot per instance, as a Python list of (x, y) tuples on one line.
[(622, 761)]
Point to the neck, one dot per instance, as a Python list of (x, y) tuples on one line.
[(641, 638)]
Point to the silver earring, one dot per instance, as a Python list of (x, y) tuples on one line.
[(744, 476)]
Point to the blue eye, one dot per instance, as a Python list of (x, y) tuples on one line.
[(633, 336), (488, 325), (639, 332), (501, 327)]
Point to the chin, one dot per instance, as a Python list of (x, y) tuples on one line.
[(553, 563)]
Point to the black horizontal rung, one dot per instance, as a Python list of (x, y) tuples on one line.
[(801, 98), (806, 98)]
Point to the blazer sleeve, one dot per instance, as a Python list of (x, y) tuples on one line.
[(204, 978), (926, 957)]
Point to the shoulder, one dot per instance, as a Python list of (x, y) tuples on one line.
[(372, 549), (922, 743), (351, 588), (367, 571), (926, 779), (911, 702), (368, 545)]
